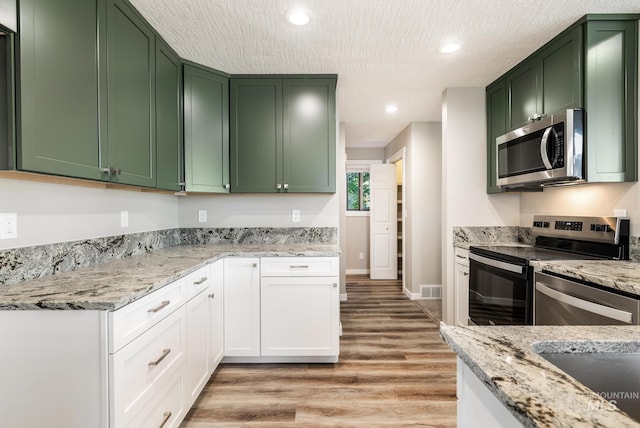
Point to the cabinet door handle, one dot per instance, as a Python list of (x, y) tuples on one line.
[(286, 186), (254, 265), (212, 295), (299, 266), (165, 352), (165, 418), (278, 186), (200, 281), (227, 186), (465, 273), (335, 285), (106, 170), (161, 306)]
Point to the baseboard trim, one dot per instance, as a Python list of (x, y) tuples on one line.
[(357, 271), (410, 295)]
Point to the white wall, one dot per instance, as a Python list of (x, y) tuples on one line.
[(464, 168), (50, 213), (422, 141), (585, 199), (256, 210)]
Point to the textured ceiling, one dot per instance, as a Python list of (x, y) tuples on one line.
[(383, 51)]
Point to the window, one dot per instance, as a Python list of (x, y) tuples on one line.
[(358, 191)]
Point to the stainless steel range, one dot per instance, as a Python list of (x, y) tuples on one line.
[(501, 278)]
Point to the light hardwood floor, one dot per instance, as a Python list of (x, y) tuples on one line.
[(394, 370)]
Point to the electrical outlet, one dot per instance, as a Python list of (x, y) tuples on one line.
[(124, 218), (202, 216), (295, 216), (361, 256), (8, 226)]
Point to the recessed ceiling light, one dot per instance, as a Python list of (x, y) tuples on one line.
[(450, 47), (391, 108), (298, 17)]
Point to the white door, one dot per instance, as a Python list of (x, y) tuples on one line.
[(383, 227)]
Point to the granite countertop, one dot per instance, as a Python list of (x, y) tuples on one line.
[(614, 274), (535, 391), (112, 285), (467, 245)]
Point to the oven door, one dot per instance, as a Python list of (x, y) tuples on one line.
[(500, 293)]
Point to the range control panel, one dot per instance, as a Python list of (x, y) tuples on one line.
[(583, 228)]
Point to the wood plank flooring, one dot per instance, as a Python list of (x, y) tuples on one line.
[(394, 370)]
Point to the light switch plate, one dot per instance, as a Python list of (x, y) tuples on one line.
[(8, 226), (202, 216), (295, 216), (124, 218)]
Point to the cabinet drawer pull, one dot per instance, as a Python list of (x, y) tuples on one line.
[(212, 295), (465, 273), (299, 266), (461, 257), (162, 305), (165, 352), (200, 281), (165, 418)]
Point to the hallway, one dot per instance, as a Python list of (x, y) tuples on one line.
[(394, 370)]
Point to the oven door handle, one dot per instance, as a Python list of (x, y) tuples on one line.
[(595, 308), (497, 264)]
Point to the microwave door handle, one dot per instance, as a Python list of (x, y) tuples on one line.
[(605, 311), (543, 148)]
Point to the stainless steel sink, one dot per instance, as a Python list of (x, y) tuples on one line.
[(613, 374)]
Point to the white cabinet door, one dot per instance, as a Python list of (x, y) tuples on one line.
[(462, 293), (242, 307), (216, 315), (300, 316), (197, 346)]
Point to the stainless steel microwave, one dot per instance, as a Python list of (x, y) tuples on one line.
[(546, 152)]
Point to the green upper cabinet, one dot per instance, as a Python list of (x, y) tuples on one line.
[(58, 88), (168, 118), (592, 65), (283, 135), (549, 81), (256, 135), (8, 14), (496, 126), (611, 101), (130, 96), (309, 135), (206, 130)]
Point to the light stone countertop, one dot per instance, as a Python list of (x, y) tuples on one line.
[(112, 285), (535, 391)]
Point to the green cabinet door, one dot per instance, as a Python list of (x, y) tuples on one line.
[(611, 103), (560, 73), (496, 126), (256, 135), (8, 14), (522, 92), (131, 96), (58, 88), (309, 135), (206, 130), (168, 120)]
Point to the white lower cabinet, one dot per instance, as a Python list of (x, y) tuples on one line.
[(145, 364), (461, 291), (300, 316), (281, 309), (477, 406), (216, 315), (241, 307)]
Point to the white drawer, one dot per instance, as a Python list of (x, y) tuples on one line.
[(137, 370), (461, 255), (132, 320), (166, 408), (299, 266), (196, 282)]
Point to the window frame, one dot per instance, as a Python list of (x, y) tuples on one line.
[(359, 166)]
